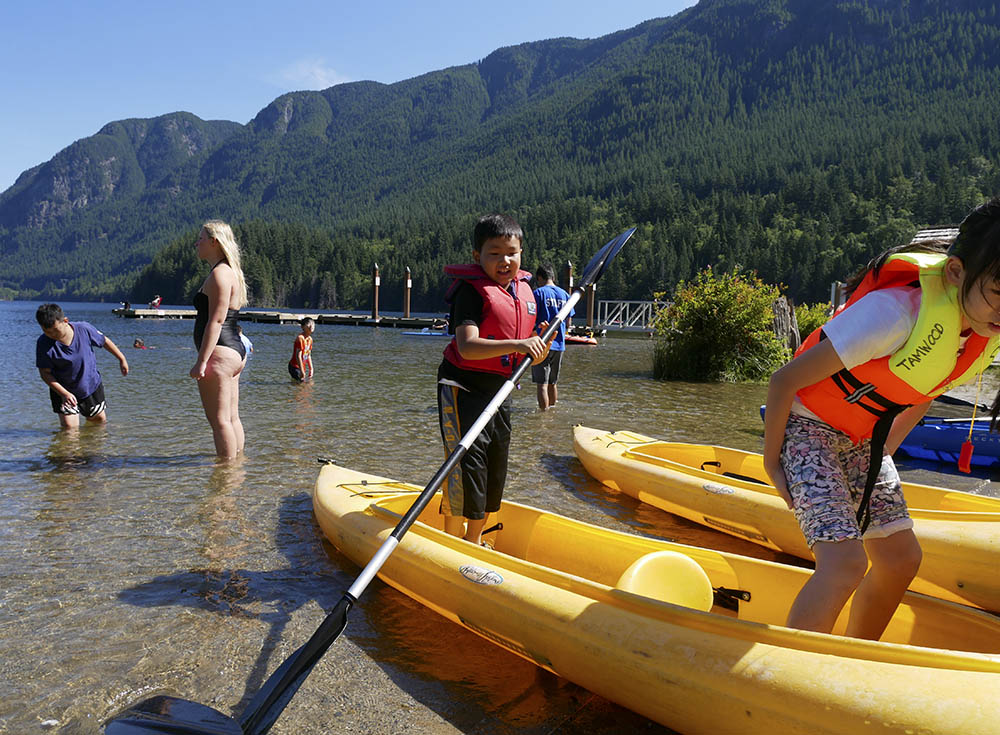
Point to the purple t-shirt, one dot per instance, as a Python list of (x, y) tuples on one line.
[(73, 365)]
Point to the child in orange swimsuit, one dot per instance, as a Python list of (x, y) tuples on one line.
[(300, 367)]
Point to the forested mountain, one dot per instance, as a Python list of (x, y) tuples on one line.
[(794, 137)]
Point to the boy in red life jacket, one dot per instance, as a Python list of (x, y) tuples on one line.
[(493, 315), (921, 319)]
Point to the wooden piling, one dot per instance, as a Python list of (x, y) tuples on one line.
[(375, 284), (591, 296), (406, 294), (568, 280)]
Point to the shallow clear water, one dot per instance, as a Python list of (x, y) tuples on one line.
[(132, 563)]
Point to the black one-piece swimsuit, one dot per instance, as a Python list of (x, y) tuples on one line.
[(228, 336)]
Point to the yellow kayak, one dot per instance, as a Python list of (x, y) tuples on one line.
[(689, 637), (728, 490)]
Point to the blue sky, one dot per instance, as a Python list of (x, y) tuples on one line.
[(70, 67)]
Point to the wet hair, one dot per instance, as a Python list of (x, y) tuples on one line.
[(48, 314), (495, 225), (223, 234), (307, 320), (545, 272)]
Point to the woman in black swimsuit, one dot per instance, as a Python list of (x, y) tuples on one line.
[(221, 355)]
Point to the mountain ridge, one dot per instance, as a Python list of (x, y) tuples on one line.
[(832, 119)]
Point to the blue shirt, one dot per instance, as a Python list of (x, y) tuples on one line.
[(73, 365), (550, 300)]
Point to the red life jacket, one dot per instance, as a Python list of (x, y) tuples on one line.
[(505, 316), (927, 365)]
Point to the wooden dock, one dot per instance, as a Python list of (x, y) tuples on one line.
[(291, 317)]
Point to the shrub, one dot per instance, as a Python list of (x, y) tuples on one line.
[(718, 328), (811, 317)]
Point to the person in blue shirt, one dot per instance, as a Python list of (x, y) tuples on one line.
[(64, 356), (550, 299)]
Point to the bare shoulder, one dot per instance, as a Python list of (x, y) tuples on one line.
[(223, 272), (221, 279), (220, 284)]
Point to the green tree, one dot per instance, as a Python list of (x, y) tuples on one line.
[(718, 328)]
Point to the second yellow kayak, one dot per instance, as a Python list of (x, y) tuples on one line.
[(728, 490)]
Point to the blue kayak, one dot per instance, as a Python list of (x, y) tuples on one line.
[(940, 439), (427, 332)]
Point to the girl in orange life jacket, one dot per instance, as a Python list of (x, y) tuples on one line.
[(920, 320)]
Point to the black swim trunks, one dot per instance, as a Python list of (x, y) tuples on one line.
[(87, 407), (475, 487), (547, 371)]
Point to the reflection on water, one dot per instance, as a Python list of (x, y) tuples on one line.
[(132, 562)]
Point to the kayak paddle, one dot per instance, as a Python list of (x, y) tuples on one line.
[(164, 714)]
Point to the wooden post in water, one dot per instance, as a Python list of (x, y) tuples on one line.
[(375, 284), (406, 294), (591, 293), (569, 289), (837, 294), (786, 326)]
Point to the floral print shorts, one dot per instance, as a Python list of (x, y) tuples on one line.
[(826, 475)]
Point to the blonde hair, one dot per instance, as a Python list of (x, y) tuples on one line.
[(223, 234)]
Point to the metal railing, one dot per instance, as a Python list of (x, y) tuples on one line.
[(627, 314)]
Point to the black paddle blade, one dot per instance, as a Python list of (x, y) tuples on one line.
[(182, 717), (595, 268), (172, 715), (281, 686)]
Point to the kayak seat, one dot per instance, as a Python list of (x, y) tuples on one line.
[(716, 467), (668, 576)]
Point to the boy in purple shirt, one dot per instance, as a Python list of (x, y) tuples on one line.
[(64, 356)]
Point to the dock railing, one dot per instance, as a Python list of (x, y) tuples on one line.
[(627, 314)]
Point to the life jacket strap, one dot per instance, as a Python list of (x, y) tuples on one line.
[(862, 395), (877, 449)]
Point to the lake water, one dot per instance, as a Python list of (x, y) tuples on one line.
[(132, 563)]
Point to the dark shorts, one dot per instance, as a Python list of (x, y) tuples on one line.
[(294, 371), (475, 487), (87, 407), (547, 371)]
